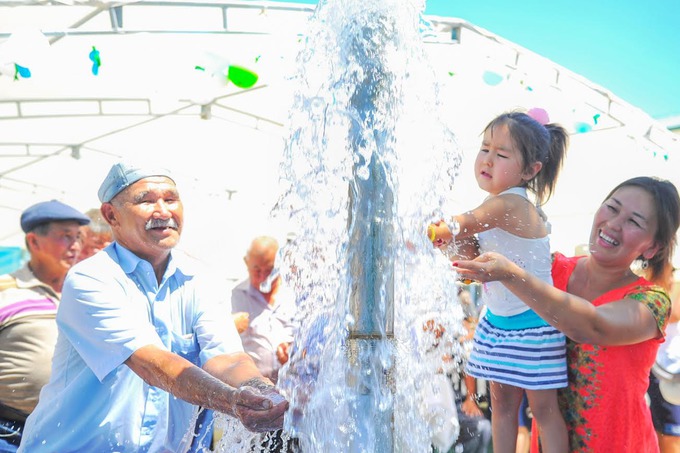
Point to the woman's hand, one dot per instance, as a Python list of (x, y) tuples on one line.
[(488, 267)]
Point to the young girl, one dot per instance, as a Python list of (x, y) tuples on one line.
[(513, 347)]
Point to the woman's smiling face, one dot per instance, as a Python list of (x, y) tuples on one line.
[(625, 226)]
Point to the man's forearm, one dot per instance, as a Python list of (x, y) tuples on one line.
[(234, 369), (182, 379)]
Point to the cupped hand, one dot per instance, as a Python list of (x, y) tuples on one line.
[(260, 409), (487, 267)]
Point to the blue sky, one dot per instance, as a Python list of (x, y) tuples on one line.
[(629, 47)]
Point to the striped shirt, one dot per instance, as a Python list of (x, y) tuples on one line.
[(28, 334)]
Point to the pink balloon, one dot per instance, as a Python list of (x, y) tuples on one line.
[(539, 115)]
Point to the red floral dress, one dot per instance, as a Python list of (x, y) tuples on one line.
[(604, 405)]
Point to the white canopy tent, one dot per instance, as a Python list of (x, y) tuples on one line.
[(62, 127)]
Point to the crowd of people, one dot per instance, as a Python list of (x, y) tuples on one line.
[(112, 339), (133, 333)]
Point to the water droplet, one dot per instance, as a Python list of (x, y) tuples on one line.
[(363, 173)]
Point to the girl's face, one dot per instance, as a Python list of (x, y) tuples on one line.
[(499, 164), (624, 227)]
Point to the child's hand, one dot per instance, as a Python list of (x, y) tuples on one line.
[(434, 327), (439, 234), (471, 408)]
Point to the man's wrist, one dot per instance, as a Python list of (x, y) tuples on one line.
[(260, 383)]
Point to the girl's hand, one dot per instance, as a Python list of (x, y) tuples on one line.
[(488, 267), (439, 234), (471, 408)]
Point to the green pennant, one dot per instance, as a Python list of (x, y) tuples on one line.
[(241, 77)]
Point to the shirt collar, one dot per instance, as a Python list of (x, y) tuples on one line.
[(26, 279), (178, 262)]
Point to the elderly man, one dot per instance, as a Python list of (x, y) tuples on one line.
[(269, 306), (270, 310), (28, 306), (142, 339)]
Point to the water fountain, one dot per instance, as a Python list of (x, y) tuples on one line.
[(366, 168)]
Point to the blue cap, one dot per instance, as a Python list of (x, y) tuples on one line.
[(50, 211), (122, 175)]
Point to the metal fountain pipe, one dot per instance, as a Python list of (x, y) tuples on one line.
[(371, 240), (371, 205)]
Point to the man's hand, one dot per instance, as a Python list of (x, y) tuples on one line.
[(241, 320), (259, 406), (282, 352)]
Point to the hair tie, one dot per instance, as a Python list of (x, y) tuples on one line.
[(539, 115)]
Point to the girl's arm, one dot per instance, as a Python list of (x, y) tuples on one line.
[(622, 322), (509, 212), (493, 213), (469, 405)]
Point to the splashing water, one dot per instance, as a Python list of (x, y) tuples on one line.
[(366, 169)]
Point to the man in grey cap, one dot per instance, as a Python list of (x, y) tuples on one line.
[(28, 305), (144, 340)]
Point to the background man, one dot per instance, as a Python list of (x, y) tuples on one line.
[(28, 304), (265, 312), (270, 308), (96, 235)]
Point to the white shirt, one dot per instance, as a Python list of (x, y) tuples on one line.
[(270, 324), (530, 254)]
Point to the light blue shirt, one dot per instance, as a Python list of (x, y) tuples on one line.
[(111, 306)]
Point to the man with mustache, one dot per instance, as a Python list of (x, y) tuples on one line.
[(143, 338), (29, 298)]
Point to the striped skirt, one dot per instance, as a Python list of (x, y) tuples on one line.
[(533, 358)]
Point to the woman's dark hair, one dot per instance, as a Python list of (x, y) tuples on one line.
[(667, 205), (538, 143)]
